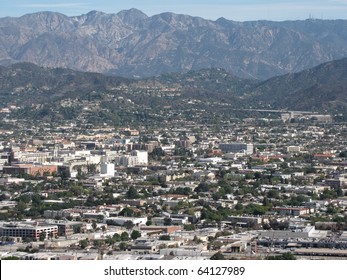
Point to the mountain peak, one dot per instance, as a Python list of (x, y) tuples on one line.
[(132, 16), (95, 13), (45, 15), (132, 12)]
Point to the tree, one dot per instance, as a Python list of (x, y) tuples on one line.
[(36, 200), (132, 193), (157, 153), (124, 236), (76, 190), (216, 245), (218, 256), (25, 198), (123, 246), (331, 209), (127, 212), (239, 207), (328, 194), (202, 187), (256, 209), (94, 225), (128, 225), (189, 227), (21, 206), (42, 236), (164, 237), (116, 237), (339, 192), (167, 221), (273, 194), (11, 258), (109, 240), (84, 243), (180, 190), (135, 234), (97, 243)]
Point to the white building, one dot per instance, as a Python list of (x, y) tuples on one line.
[(142, 156), (107, 169), (307, 232)]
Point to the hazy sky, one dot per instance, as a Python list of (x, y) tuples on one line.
[(239, 10)]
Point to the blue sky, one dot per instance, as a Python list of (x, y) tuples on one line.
[(239, 10)]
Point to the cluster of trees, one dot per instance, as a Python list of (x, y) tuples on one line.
[(111, 240), (223, 213)]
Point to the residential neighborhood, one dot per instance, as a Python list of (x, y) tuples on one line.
[(266, 187)]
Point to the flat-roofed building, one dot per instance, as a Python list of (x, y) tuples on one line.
[(292, 211), (236, 148), (30, 169), (122, 220), (28, 230)]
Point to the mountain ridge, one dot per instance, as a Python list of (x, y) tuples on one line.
[(322, 88), (132, 44)]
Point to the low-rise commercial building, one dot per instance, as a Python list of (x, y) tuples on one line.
[(28, 230)]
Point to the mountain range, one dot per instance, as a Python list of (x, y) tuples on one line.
[(132, 44)]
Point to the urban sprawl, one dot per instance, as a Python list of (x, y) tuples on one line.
[(271, 187)]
